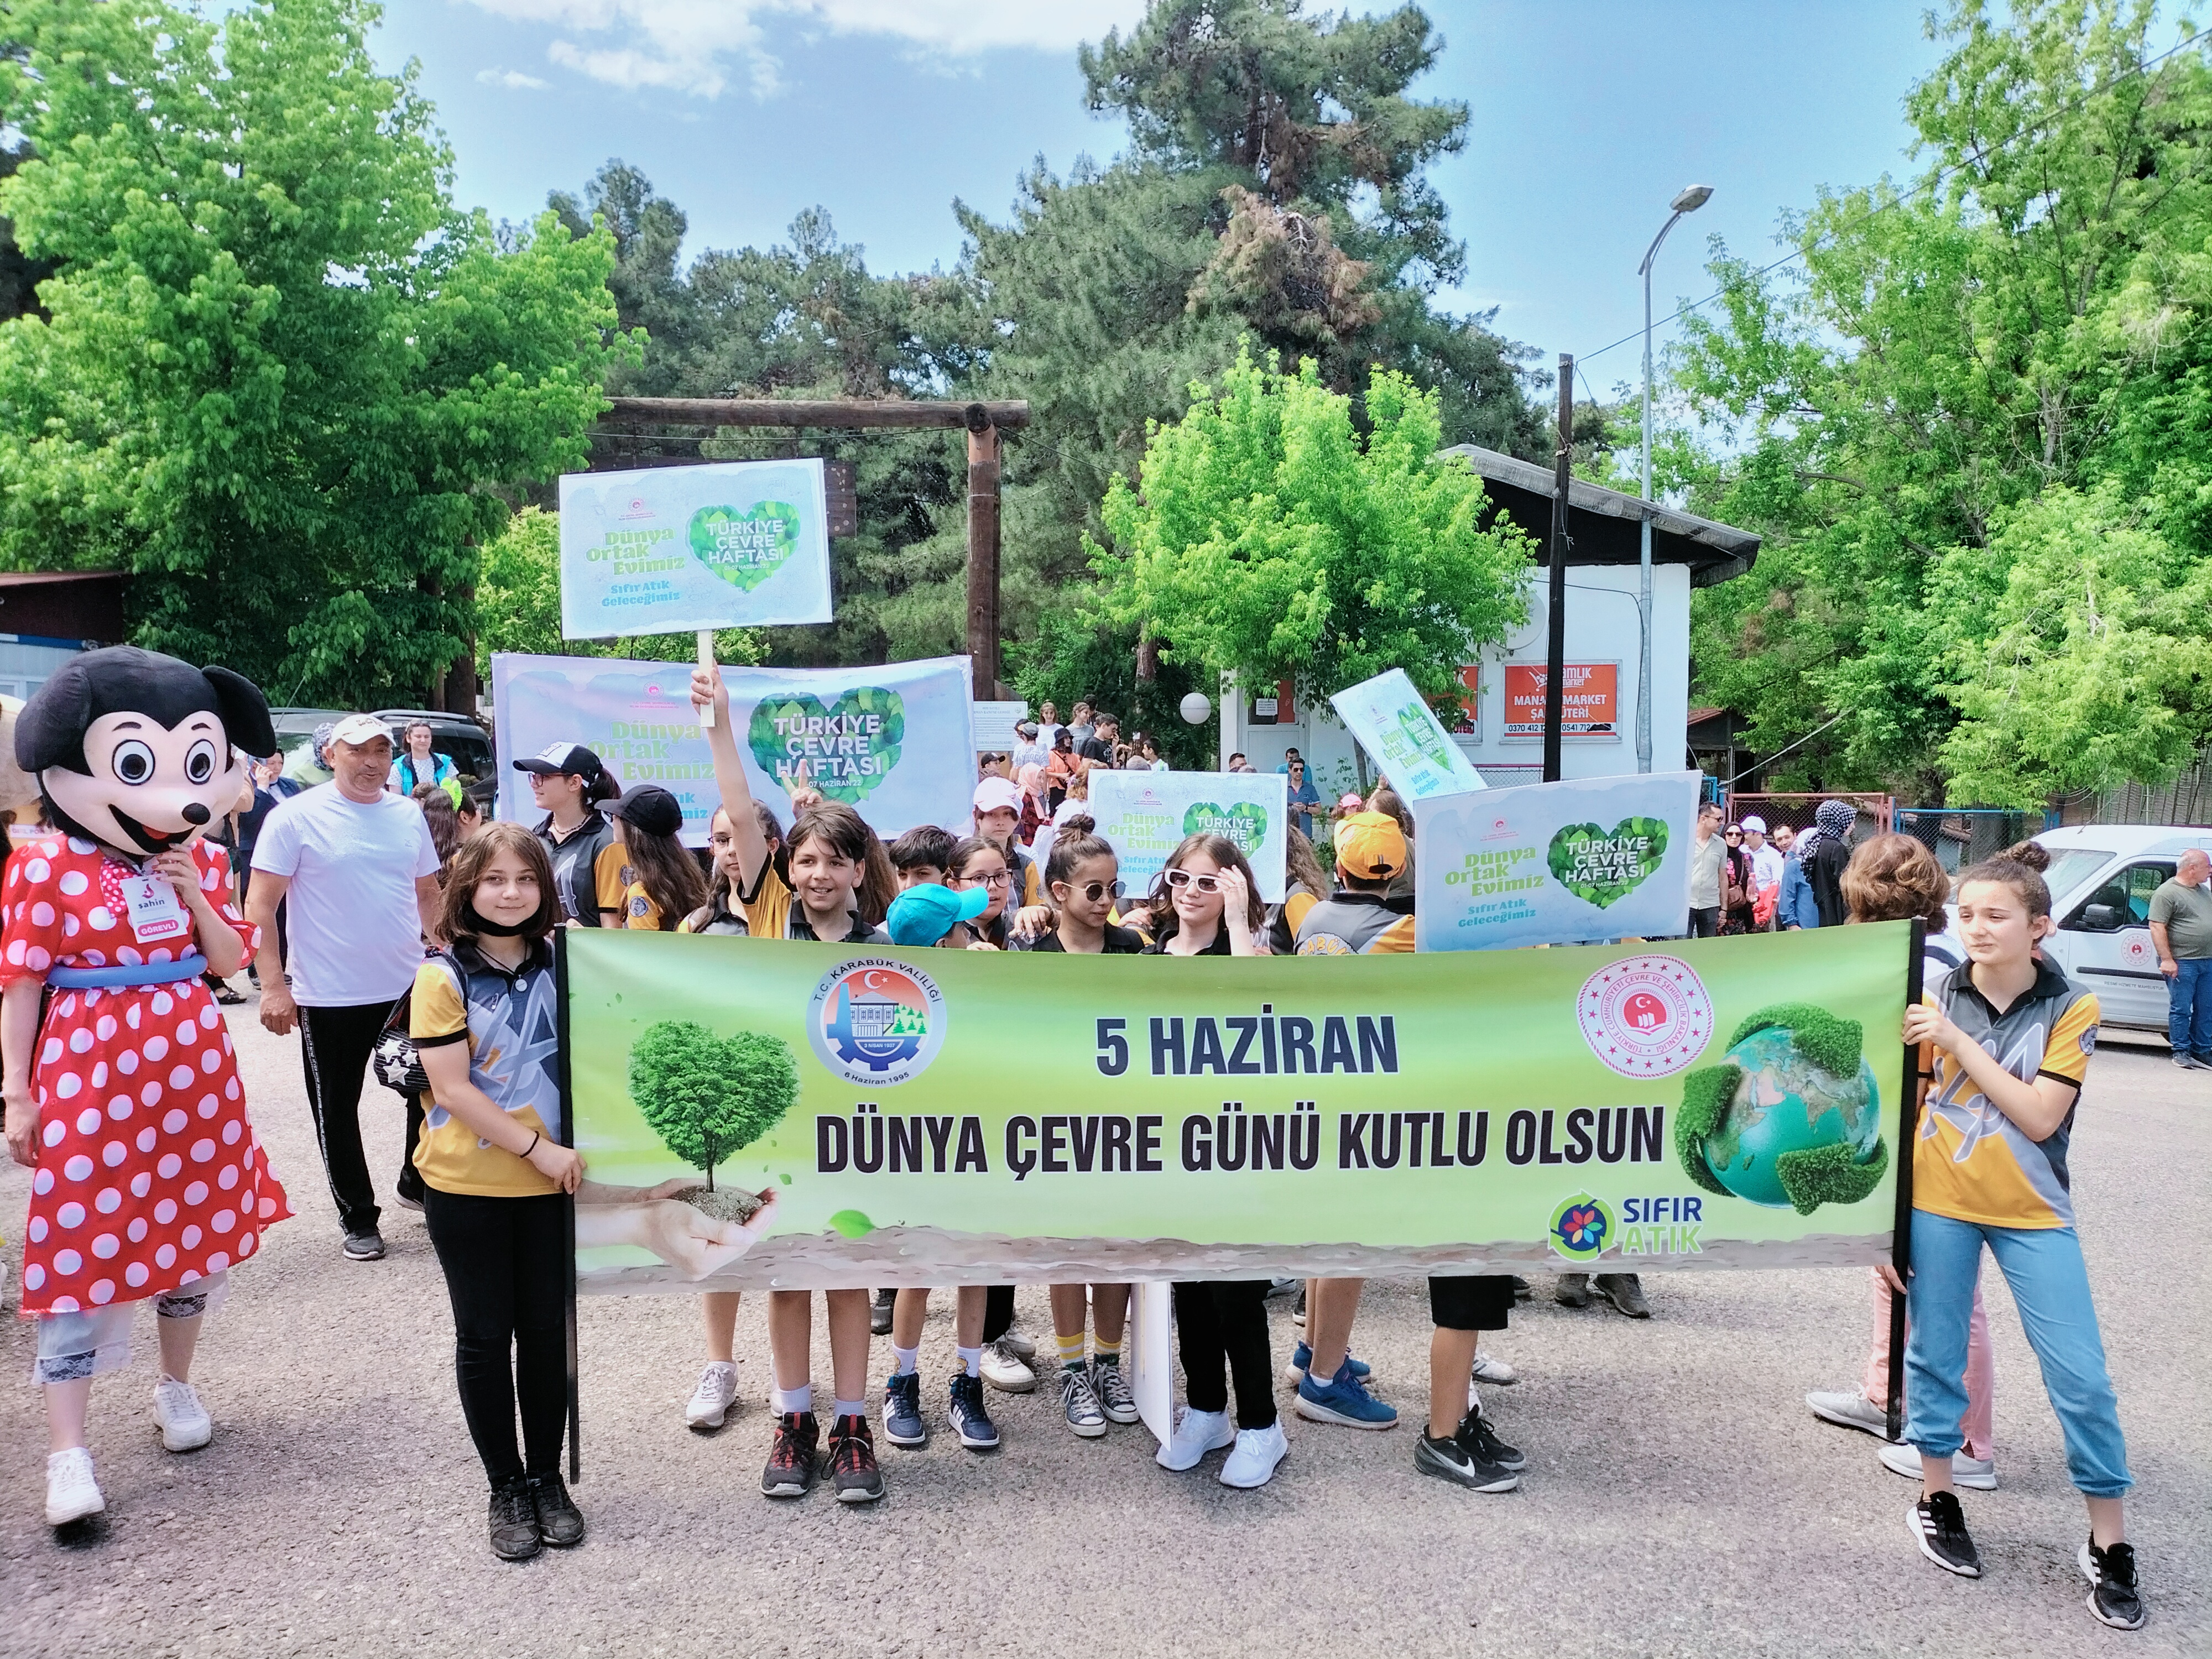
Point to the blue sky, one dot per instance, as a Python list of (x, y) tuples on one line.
[(1587, 119)]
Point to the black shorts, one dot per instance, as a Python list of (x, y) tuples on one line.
[(1471, 1303)]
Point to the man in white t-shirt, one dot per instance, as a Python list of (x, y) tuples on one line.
[(361, 874), (1766, 860)]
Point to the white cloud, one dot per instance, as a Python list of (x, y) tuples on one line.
[(697, 47), (514, 79)]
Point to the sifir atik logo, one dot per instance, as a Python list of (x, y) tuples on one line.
[(1581, 1228)]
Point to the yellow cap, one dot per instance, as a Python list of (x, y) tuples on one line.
[(1370, 846)]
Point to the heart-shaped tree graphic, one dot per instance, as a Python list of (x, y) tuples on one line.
[(745, 549), (1604, 867), (848, 747), (708, 1096), (1245, 823)]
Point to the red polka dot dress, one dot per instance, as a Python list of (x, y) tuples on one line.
[(150, 1175)]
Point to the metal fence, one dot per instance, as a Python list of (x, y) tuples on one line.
[(1875, 811), (1961, 835), (2185, 801)]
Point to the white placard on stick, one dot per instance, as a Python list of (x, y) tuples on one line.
[(1396, 728), (1555, 863), (680, 549), (1146, 815)]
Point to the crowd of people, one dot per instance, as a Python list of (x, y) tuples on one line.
[(384, 905)]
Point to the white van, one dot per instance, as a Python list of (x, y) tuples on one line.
[(2102, 876)]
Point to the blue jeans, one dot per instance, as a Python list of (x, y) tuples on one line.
[(2050, 1286), (2189, 1007)]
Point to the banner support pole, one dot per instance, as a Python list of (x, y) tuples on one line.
[(568, 1137), (707, 662), (1900, 1243)]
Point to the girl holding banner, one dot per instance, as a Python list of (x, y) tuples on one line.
[(1207, 904)]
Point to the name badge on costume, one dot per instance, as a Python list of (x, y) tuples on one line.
[(156, 912)]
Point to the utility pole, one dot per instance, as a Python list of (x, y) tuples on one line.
[(1555, 657)]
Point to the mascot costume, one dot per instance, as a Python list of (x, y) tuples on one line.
[(120, 1083)]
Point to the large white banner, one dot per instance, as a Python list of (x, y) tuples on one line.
[(892, 742), (1555, 863), (669, 550), (1147, 815), (1395, 725)]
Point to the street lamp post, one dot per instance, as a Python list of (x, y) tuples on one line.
[(1689, 201)]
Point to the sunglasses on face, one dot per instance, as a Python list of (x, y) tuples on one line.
[(1180, 879), (1093, 891)]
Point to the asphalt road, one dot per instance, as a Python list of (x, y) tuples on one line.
[(1680, 1499)]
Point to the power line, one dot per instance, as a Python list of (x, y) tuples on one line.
[(1938, 178)]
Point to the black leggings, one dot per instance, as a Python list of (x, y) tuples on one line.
[(998, 1312), (507, 1269), (1218, 1322)]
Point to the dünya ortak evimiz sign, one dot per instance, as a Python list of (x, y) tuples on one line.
[(1644, 1105)]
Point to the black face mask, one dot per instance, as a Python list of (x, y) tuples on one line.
[(478, 923)]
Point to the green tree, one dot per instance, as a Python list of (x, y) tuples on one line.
[(280, 380), (1932, 416), (1271, 542), (708, 1096)]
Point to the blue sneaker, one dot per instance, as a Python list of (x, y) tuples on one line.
[(1302, 1356), (903, 1424), (969, 1418), (1343, 1400)]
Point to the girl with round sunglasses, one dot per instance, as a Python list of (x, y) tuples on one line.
[(1083, 878)]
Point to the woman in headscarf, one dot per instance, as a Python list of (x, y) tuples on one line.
[(1824, 863)]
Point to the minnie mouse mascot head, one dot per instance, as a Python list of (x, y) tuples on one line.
[(149, 1183)]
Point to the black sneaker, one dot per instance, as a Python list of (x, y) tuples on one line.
[(365, 1246), (1941, 1526), (2113, 1599), (1625, 1292), (1521, 1292), (1573, 1290), (793, 1458), (1488, 1446), (514, 1521), (879, 1312), (971, 1418), (559, 1523), (1459, 1457), (1299, 1307), (853, 1469)]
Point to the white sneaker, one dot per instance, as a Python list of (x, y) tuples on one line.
[(711, 1401), (1258, 1451), (1196, 1433), (1004, 1370), (185, 1425), (1019, 1345), (1850, 1409), (1975, 1473), (72, 1492), (1488, 1369)]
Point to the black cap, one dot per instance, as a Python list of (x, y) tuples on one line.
[(564, 760), (650, 808)]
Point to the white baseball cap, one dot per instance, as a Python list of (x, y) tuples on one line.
[(1753, 825), (994, 792), (360, 729)]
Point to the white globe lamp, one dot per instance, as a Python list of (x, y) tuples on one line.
[(1196, 705)]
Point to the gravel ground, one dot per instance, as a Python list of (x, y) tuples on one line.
[(1680, 1499)]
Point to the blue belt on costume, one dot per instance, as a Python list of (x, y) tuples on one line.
[(126, 974)]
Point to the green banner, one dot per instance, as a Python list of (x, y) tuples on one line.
[(954, 1116)]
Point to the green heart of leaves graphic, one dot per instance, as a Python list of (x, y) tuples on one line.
[(848, 748), (1605, 866), (745, 549), (1245, 823)]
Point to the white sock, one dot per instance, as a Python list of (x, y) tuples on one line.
[(800, 1399), (905, 1360), (851, 1408), (972, 1359)]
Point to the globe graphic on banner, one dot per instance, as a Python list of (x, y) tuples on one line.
[(1784, 1103)]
